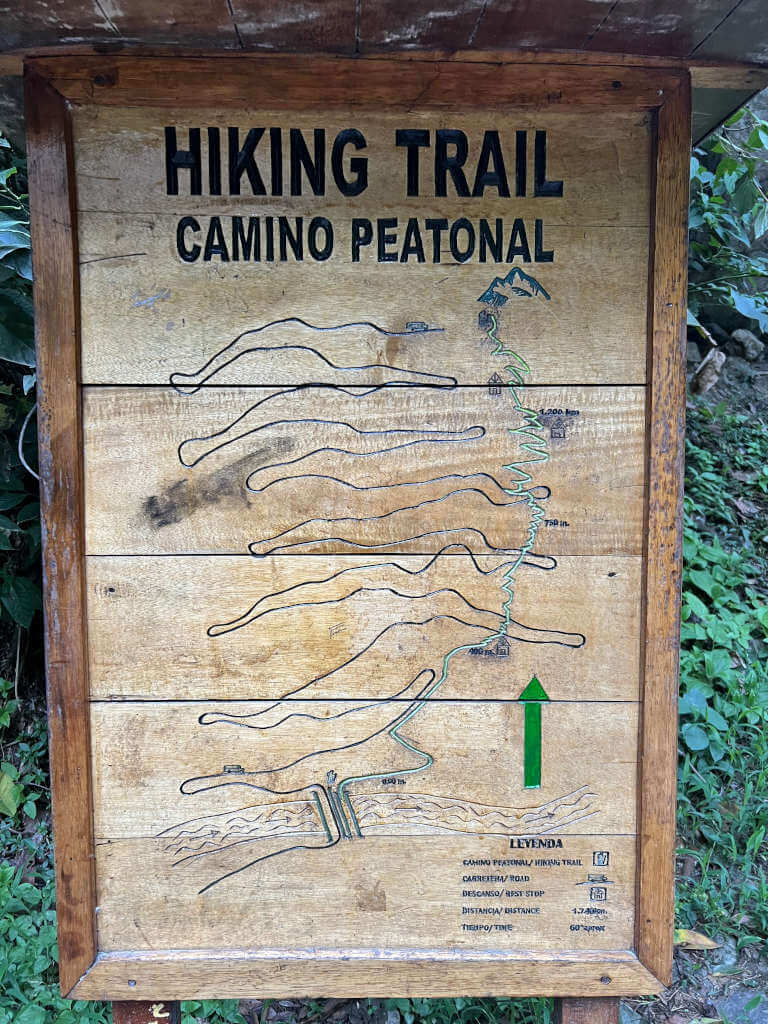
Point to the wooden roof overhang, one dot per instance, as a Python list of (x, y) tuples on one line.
[(724, 42)]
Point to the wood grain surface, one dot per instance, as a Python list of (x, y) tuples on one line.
[(604, 161), (203, 974), (664, 553), (165, 309), (335, 895), (326, 471), (587, 1011), (54, 231), (201, 628), (291, 83), (478, 748)]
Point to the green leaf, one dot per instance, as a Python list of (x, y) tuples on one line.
[(21, 599), (10, 793), (15, 349), (29, 512), (695, 698), (21, 263), (717, 663), (760, 224), (697, 606), (695, 737), (715, 719), (31, 1014), (748, 307), (11, 499)]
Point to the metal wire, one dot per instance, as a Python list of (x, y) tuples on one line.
[(22, 432)]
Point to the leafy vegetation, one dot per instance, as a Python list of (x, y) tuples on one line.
[(723, 815), (722, 810), (468, 1011), (19, 506), (728, 219)]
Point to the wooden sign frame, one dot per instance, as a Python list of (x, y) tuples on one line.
[(53, 85)]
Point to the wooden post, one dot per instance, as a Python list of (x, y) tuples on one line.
[(603, 1010), (125, 1012)]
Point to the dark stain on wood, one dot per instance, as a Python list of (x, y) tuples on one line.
[(185, 496)]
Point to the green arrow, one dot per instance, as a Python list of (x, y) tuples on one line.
[(532, 696)]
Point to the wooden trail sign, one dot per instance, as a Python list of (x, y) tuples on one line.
[(361, 397)]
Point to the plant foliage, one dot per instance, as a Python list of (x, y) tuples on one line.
[(19, 505), (728, 224), (723, 813)]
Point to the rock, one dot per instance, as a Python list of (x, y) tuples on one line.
[(734, 1006), (740, 370), (750, 346), (692, 352), (707, 374), (726, 956)]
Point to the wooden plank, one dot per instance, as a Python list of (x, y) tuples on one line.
[(511, 55), (291, 83), (11, 65), (738, 77), (741, 35), (363, 889), (587, 1011), (258, 491), (73, 23), (493, 24), (143, 784), (666, 414), (318, 27), (242, 974), (652, 27), (202, 22), (53, 227), (132, 1012), (161, 305), (135, 652), (534, 24), (604, 164), (38, 23)]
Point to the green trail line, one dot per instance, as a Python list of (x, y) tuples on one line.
[(536, 446)]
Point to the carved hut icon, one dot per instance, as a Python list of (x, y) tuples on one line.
[(502, 648), (495, 385), (557, 429)]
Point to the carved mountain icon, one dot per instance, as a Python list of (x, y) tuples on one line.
[(515, 283)]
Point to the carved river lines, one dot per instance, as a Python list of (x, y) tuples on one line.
[(311, 804)]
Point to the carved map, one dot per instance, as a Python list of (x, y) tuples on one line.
[(364, 407)]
